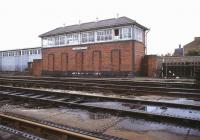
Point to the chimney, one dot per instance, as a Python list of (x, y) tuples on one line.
[(179, 46)]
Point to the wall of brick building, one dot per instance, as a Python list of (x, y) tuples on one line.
[(37, 67), (101, 57), (139, 55), (150, 65)]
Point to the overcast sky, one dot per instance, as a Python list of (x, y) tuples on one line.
[(171, 22)]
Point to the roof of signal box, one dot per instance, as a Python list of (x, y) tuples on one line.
[(113, 22)]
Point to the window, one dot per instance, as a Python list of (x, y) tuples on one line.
[(51, 41), (62, 40), (104, 35), (45, 42), (11, 53), (6, 54), (116, 32), (16, 53), (108, 35), (39, 51), (26, 52), (91, 36), (84, 37), (57, 40), (87, 37), (126, 32), (34, 51), (72, 39), (138, 34), (19, 53), (100, 36)]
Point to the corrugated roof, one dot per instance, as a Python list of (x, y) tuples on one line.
[(92, 25)]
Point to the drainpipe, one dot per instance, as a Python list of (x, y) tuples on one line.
[(133, 51), (146, 41), (133, 59)]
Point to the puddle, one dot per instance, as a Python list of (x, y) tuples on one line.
[(148, 108), (98, 122), (85, 114), (181, 101), (144, 126)]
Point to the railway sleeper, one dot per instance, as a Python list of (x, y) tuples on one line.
[(185, 121)]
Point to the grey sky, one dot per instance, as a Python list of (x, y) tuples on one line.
[(171, 22)]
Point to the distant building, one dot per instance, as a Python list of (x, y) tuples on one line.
[(171, 66), (17, 60), (193, 48), (178, 51)]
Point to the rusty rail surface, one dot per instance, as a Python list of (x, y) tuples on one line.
[(98, 86), (73, 101), (51, 131)]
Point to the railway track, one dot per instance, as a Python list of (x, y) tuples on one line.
[(103, 85), (21, 134), (188, 115), (156, 83), (44, 130)]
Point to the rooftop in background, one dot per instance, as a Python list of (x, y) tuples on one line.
[(193, 48), (196, 41), (114, 22), (178, 51), (20, 49)]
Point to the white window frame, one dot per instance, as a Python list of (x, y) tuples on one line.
[(45, 42), (129, 32), (104, 35), (73, 39), (138, 34), (87, 37), (62, 40)]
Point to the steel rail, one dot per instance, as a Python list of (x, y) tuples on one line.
[(105, 87), (36, 125), (108, 80), (188, 121), (137, 84), (100, 97), (20, 133)]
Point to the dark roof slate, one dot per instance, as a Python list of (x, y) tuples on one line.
[(92, 25)]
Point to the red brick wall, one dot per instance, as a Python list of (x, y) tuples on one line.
[(37, 67), (139, 52), (113, 56), (150, 65)]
